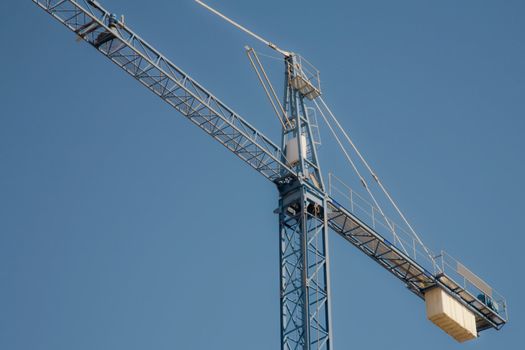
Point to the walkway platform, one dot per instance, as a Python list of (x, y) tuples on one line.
[(417, 273)]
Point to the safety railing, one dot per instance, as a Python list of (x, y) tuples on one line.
[(470, 282), (400, 237), (442, 264), (307, 79)]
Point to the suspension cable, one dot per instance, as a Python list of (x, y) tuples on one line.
[(363, 181), (377, 180)]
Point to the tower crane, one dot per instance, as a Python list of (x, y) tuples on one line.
[(457, 301)]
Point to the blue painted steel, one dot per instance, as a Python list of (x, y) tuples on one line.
[(91, 22), (304, 268), (304, 263), (305, 211), (411, 273)]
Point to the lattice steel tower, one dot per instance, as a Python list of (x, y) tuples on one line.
[(303, 227)]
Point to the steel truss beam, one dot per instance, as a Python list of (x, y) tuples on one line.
[(415, 276), (91, 22)]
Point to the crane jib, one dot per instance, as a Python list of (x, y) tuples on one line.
[(93, 24), (412, 273)]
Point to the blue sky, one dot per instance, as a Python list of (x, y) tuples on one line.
[(124, 226)]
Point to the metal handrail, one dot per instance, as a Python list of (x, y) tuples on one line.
[(457, 272), (309, 72), (371, 215), (442, 264)]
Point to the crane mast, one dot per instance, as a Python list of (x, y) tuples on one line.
[(303, 229), (306, 208)]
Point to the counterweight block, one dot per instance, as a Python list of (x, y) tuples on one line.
[(450, 315)]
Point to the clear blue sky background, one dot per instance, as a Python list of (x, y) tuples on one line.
[(123, 226)]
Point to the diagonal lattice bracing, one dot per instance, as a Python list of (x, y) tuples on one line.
[(412, 273), (127, 50), (305, 321)]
